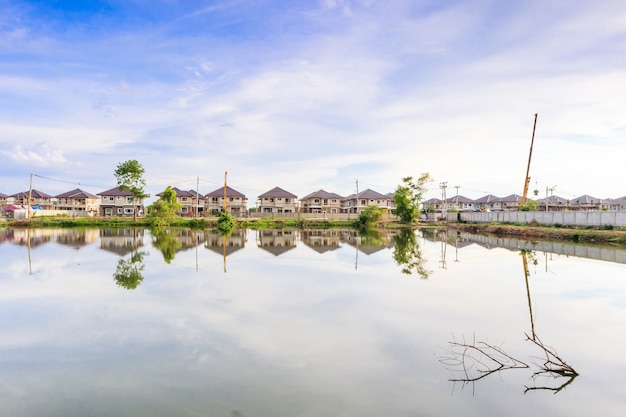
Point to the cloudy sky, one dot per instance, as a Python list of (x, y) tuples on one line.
[(310, 94)]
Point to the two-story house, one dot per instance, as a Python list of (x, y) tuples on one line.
[(236, 203), (118, 203), (191, 202), (277, 200), (78, 200), (356, 203), (321, 202), (37, 198)]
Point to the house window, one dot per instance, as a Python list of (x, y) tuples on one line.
[(129, 200), (111, 199), (119, 210), (108, 211), (129, 210)]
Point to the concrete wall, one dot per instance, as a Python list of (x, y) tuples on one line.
[(569, 218), (22, 214)]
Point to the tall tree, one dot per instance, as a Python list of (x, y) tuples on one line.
[(129, 176), (408, 197), (163, 211)]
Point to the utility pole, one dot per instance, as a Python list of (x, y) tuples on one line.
[(225, 174), (527, 179), (30, 194), (197, 195), (356, 199), (457, 196), (444, 209)]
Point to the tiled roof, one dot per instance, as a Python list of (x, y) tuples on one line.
[(278, 192), (489, 198), (116, 192), (368, 195), (459, 199), (77, 193), (321, 194), (230, 192), (33, 193)]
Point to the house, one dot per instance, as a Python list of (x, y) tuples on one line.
[(553, 203), (511, 202), (80, 201), (617, 204), (191, 202), (277, 200), (236, 203), (4, 200), (356, 203), (432, 205), (321, 202), (37, 198), (585, 202), (118, 203), (459, 203), (488, 203)]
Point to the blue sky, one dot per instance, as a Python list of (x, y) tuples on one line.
[(314, 94)]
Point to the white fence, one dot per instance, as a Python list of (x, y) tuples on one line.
[(565, 218)]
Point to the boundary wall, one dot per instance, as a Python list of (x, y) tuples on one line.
[(565, 218)]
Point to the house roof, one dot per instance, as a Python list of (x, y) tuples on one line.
[(278, 192), (230, 192), (553, 199), (180, 193), (459, 199), (321, 194), (2, 195), (584, 199), (369, 195), (513, 198), (116, 192), (77, 193), (489, 198), (34, 194), (432, 201)]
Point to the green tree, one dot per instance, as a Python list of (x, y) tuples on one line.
[(129, 176), (369, 217), (163, 211), (128, 273), (531, 205), (167, 242), (408, 254), (226, 223), (408, 197)]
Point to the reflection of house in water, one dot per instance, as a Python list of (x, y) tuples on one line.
[(368, 243), (77, 238), (121, 241), (276, 242), (189, 239), (217, 243), (4, 233), (321, 240), (31, 237)]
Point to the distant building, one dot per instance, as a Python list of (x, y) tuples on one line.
[(277, 200), (236, 202), (118, 203), (321, 202)]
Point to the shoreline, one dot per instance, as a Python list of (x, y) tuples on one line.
[(576, 235)]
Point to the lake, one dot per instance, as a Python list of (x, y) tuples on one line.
[(267, 323)]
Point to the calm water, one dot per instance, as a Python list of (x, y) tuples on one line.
[(308, 323)]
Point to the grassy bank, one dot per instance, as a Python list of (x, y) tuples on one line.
[(579, 234)]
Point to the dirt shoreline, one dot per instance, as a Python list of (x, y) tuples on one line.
[(617, 237)]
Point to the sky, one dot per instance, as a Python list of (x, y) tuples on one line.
[(340, 95)]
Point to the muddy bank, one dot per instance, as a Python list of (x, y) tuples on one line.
[(546, 233)]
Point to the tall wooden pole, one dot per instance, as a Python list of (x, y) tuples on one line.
[(527, 180), (30, 194)]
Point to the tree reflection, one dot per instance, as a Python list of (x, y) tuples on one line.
[(471, 361), (128, 273), (167, 242), (408, 254)]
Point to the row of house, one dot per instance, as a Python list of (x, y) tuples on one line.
[(115, 202), (512, 202)]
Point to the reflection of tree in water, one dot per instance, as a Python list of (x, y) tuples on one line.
[(167, 242), (371, 237), (128, 273), (408, 254), (471, 361)]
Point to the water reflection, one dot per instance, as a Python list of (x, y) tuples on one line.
[(471, 361), (408, 254), (121, 241), (129, 272), (276, 242)]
